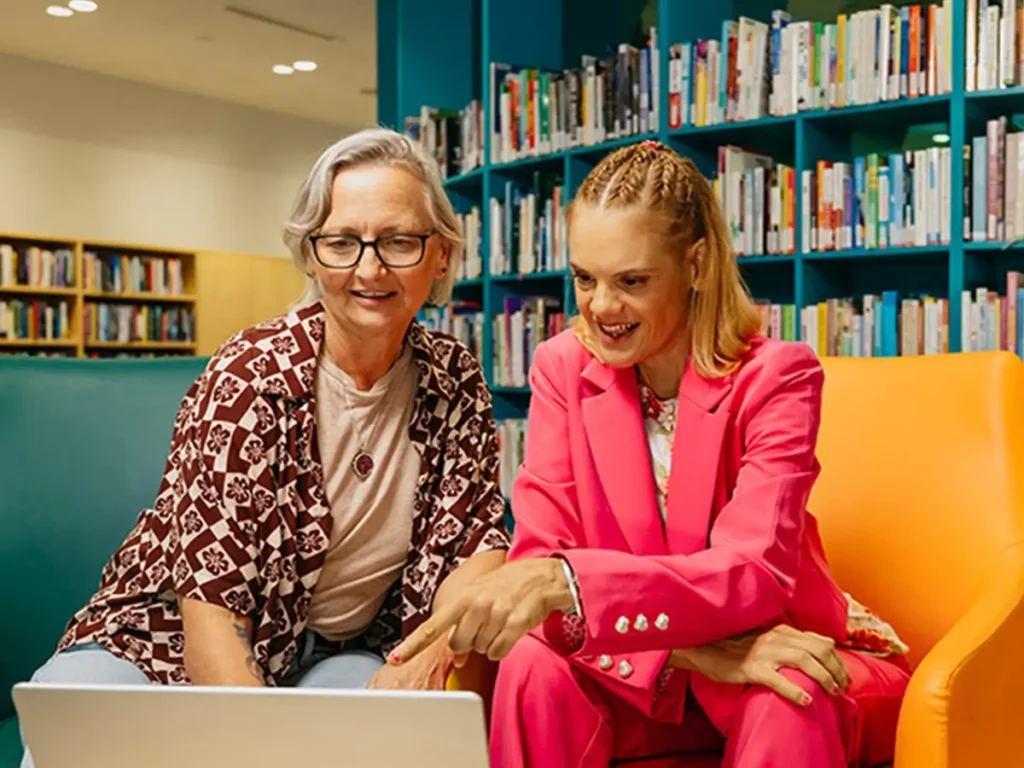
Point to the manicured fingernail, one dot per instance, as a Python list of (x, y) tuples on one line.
[(394, 658), (806, 700)]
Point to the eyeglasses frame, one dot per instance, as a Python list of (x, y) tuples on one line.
[(373, 244)]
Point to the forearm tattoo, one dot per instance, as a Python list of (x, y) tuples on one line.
[(250, 657)]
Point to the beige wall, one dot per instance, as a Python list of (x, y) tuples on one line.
[(87, 156), (237, 290)]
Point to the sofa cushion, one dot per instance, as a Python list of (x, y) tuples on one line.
[(82, 449)]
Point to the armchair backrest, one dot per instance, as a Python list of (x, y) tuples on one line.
[(922, 482), (83, 444)]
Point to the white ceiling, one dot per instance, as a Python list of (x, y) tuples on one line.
[(199, 46)]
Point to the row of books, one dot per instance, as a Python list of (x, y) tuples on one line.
[(512, 449), (125, 323), (35, 320), (133, 273), (990, 321), (527, 232), (754, 69), (123, 273), (523, 323), (758, 201), (454, 138), (778, 321), (994, 184), (885, 325), (534, 111), (472, 265), (994, 45), (878, 201), (36, 267), (462, 319)]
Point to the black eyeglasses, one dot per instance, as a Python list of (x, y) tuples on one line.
[(398, 251)]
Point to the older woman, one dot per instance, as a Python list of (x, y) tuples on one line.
[(661, 520), (332, 475)]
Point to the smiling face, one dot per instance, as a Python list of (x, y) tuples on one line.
[(370, 298), (631, 284)]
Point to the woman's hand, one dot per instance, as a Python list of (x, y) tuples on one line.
[(493, 612), (757, 658), (428, 672)]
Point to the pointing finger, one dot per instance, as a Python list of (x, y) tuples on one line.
[(427, 632)]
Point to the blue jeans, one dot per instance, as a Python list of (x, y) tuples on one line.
[(317, 665)]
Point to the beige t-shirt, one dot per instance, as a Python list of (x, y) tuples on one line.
[(372, 517)]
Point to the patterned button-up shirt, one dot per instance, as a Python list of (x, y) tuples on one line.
[(241, 519)]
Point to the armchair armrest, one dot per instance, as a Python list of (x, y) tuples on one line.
[(965, 702), (478, 675)]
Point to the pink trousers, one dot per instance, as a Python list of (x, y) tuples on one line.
[(547, 714)]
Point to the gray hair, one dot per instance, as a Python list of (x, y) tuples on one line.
[(374, 146)]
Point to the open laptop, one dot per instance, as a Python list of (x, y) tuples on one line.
[(90, 726)]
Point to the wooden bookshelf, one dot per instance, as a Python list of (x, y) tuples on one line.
[(116, 272)]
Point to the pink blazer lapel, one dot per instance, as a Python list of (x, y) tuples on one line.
[(614, 427), (696, 461)]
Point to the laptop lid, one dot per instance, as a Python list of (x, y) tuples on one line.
[(91, 726)]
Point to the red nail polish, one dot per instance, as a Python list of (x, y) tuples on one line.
[(395, 658), (806, 700)]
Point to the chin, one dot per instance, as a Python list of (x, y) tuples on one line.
[(619, 358)]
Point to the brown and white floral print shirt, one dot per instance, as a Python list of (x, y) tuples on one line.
[(240, 518)]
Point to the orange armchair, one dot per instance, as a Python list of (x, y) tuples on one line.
[(921, 504)]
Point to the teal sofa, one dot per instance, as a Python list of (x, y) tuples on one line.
[(82, 449)]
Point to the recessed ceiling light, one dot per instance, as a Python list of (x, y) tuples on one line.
[(305, 66), (282, 69), (940, 138), (83, 6), (60, 11)]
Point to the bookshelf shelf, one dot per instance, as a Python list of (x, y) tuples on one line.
[(41, 343), (467, 179), (921, 108), (607, 146), (180, 346), (986, 247), (753, 261), (908, 252), (798, 275), (30, 290), (728, 130), (529, 277), (469, 282), (551, 160), (996, 94), (146, 298)]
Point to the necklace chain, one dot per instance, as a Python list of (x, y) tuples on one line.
[(363, 462)]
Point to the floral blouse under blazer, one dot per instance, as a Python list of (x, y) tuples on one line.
[(240, 519)]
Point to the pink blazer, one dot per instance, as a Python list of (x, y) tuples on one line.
[(738, 551)]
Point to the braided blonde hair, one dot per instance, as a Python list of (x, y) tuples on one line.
[(722, 317)]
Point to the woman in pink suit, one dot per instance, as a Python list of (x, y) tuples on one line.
[(662, 538)]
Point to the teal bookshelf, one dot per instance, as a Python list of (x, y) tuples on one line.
[(546, 34)]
